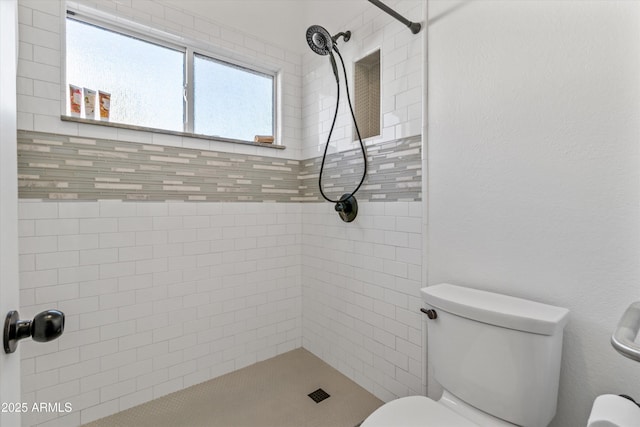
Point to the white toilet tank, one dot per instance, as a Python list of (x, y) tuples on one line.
[(498, 353)]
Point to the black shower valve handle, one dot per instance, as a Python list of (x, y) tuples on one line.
[(342, 207), (45, 326), (347, 207)]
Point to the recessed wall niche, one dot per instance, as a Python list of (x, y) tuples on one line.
[(367, 95)]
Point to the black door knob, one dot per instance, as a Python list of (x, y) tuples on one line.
[(46, 326)]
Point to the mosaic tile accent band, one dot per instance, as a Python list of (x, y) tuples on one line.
[(64, 167), (394, 173)]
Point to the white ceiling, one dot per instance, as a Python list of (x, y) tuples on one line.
[(282, 22)]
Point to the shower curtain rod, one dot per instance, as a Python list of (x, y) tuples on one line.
[(413, 26)]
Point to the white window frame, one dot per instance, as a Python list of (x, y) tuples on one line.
[(181, 44)]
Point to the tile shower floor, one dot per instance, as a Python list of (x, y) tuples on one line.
[(272, 393)]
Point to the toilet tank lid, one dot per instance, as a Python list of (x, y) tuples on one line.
[(496, 309)]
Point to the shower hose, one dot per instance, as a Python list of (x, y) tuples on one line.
[(333, 123)]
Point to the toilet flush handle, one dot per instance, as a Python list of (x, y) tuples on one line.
[(431, 313)]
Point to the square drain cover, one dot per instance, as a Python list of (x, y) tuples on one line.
[(319, 395)]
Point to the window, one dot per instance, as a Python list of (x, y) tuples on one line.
[(145, 80), (231, 101), (149, 84)]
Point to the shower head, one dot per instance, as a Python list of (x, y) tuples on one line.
[(321, 42), (319, 39)]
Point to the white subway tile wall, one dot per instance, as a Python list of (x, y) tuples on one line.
[(361, 294), (361, 281), (41, 92), (158, 297), (401, 80)]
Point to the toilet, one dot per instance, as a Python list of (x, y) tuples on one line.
[(497, 358)]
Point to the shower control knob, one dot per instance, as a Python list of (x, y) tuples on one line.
[(46, 326), (347, 207), (431, 313)]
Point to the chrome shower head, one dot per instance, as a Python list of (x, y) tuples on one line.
[(319, 39)]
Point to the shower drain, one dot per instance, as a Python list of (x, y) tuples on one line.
[(319, 395)]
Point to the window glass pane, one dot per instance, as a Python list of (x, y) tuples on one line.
[(145, 80), (231, 101)]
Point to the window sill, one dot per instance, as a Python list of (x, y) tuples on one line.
[(169, 132)]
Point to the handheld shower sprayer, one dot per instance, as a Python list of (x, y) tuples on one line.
[(322, 43)]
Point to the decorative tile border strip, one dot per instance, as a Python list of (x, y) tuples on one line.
[(394, 173), (70, 168), (67, 167)]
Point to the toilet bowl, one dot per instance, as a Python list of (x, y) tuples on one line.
[(416, 411), (421, 411), (497, 358)]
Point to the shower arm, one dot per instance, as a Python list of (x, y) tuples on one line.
[(346, 36), (413, 26)]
